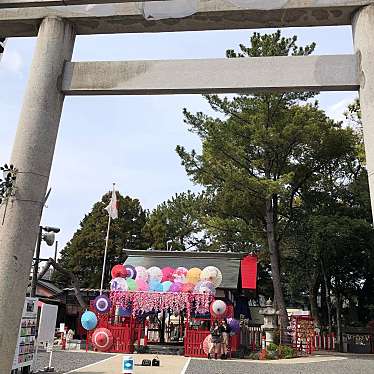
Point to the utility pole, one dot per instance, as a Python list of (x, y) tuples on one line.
[(36, 263)]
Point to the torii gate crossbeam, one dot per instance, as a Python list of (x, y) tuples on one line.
[(53, 76)]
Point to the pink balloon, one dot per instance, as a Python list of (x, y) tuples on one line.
[(167, 274), (142, 285)]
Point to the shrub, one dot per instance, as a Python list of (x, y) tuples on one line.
[(286, 352)]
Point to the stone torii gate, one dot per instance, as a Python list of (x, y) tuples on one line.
[(53, 76)]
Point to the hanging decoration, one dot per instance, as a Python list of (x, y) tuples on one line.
[(234, 325), (102, 339), (88, 320), (118, 284), (205, 287), (212, 274), (141, 273), (145, 302), (119, 271), (131, 271), (218, 308), (193, 275), (180, 274), (154, 274), (102, 304), (167, 274)]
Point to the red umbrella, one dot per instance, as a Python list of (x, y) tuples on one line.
[(207, 343), (102, 339)]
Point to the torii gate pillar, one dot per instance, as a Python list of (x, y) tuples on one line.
[(363, 37), (32, 156)]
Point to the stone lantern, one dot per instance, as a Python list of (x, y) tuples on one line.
[(270, 321)]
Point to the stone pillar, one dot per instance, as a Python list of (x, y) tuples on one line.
[(363, 37), (32, 155)]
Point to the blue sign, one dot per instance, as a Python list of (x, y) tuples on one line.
[(128, 365)]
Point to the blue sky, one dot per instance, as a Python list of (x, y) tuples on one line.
[(125, 139)]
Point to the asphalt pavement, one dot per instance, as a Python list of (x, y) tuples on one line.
[(350, 365), (65, 361)]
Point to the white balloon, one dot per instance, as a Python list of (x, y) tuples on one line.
[(141, 273), (119, 284), (212, 274), (219, 307), (154, 274)]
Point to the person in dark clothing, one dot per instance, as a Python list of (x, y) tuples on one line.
[(216, 333), (225, 329)]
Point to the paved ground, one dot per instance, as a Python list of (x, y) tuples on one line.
[(111, 364), (351, 365), (64, 361)]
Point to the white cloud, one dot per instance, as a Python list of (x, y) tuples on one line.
[(336, 111), (12, 60)]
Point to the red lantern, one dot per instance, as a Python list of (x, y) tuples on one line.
[(119, 271)]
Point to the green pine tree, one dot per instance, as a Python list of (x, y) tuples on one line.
[(83, 254)]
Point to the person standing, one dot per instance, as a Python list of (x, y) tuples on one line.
[(216, 333), (225, 329)]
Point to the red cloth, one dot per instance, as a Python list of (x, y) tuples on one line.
[(248, 269)]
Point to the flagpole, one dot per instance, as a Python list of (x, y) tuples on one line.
[(105, 251)]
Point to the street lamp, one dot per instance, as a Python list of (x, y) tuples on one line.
[(49, 238)]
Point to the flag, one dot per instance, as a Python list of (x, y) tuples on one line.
[(112, 208)]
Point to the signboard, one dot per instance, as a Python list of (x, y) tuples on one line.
[(47, 323), (24, 354), (128, 365)]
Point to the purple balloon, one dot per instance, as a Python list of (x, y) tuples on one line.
[(234, 325), (176, 287), (131, 271)]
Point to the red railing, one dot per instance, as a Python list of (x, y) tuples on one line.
[(193, 342), (194, 339), (325, 342)]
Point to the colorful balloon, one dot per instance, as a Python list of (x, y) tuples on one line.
[(180, 275), (119, 284), (218, 308), (88, 320), (155, 274), (131, 284), (119, 271), (211, 274), (131, 271), (142, 285), (141, 273), (234, 325), (193, 275), (167, 274), (102, 339), (205, 287), (155, 286), (188, 287), (102, 304), (166, 286), (176, 287)]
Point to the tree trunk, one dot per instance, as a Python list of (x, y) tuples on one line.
[(339, 322), (313, 294), (275, 261), (327, 293)]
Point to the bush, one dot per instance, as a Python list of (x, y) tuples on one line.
[(286, 352), (272, 347)]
